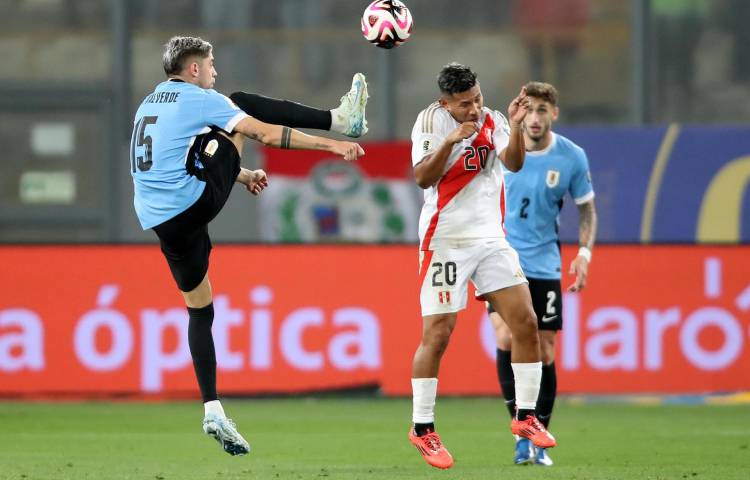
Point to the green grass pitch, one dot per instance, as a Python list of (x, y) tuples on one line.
[(365, 438)]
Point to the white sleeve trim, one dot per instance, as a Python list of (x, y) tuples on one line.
[(235, 120), (586, 198)]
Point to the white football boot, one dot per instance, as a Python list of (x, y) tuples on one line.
[(349, 117), (224, 431)]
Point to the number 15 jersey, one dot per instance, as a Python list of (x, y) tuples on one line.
[(467, 204), (164, 129)]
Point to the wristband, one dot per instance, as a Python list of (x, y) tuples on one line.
[(585, 253)]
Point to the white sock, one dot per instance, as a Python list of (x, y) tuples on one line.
[(528, 378), (214, 406), (338, 121), (424, 391)]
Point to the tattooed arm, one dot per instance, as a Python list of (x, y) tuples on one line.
[(284, 137), (587, 223)]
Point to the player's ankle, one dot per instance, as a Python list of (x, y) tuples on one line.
[(423, 428), (338, 121), (523, 413), (214, 407)]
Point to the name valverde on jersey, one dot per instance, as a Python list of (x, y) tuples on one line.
[(468, 203), (164, 130), (534, 200)]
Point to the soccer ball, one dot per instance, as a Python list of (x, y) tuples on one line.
[(387, 23)]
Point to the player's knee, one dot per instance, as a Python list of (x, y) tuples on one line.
[(547, 347), (237, 97), (503, 341), (526, 328), (437, 336), (237, 139), (548, 356)]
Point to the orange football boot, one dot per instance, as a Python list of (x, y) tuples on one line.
[(533, 429), (432, 449)]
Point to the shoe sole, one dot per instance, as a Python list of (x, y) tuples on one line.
[(232, 448), (441, 467), (361, 102)]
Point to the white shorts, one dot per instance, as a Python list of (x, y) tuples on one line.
[(445, 274)]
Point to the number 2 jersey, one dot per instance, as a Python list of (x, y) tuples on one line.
[(165, 128), (535, 197), (467, 204)]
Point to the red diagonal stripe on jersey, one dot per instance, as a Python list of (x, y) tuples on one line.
[(456, 178)]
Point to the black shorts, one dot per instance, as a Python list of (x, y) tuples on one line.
[(546, 297), (184, 239)]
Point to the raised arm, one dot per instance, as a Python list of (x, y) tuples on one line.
[(514, 154)]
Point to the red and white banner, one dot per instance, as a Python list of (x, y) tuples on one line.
[(108, 320), (320, 198)]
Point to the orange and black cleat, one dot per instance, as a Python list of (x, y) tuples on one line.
[(432, 449), (533, 429)]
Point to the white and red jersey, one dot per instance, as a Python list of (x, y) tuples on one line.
[(467, 204)]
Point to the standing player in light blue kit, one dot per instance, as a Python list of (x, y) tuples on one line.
[(554, 166)]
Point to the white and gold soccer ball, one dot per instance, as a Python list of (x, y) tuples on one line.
[(387, 23)]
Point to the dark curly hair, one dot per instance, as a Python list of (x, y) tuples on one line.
[(456, 78)]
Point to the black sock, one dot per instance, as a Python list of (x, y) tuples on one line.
[(282, 112), (523, 413), (507, 381), (423, 428), (547, 393), (202, 350)]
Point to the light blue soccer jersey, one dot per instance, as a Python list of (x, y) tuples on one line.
[(534, 198), (164, 129)]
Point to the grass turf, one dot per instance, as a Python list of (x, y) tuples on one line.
[(361, 438)]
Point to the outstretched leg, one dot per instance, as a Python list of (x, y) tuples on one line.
[(348, 118)]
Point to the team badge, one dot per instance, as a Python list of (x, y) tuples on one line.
[(211, 148), (553, 178), (426, 146)]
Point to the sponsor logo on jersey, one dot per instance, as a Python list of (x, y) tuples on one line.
[(553, 178), (546, 319), (426, 146)]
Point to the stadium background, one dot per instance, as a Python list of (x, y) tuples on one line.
[(656, 91), (316, 282)]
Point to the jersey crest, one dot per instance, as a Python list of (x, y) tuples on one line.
[(553, 178)]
